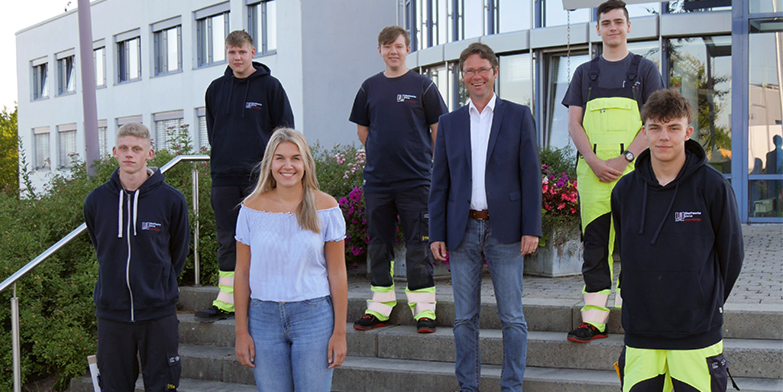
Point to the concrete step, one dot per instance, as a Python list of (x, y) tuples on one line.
[(748, 358), (741, 321), (84, 384), (395, 375)]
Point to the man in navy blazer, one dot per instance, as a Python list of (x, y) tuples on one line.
[(485, 204)]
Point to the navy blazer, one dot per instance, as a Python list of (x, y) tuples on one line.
[(512, 177)]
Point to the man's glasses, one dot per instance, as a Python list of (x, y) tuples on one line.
[(480, 71)]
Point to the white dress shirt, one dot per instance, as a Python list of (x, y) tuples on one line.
[(480, 126)]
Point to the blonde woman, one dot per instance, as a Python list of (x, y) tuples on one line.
[(290, 289)]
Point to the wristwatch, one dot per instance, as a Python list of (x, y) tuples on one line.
[(628, 156)]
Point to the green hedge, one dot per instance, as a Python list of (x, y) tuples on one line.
[(58, 326)]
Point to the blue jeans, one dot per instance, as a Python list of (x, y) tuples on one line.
[(291, 341), (505, 267)]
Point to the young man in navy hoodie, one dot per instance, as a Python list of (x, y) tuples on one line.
[(680, 243), (244, 107), (139, 228)]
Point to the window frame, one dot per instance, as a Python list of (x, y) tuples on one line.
[(205, 45), (254, 20), (39, 79), (99, 63), (42, 154), (161, 46), (64, 159), (66, 69), (123, 48)]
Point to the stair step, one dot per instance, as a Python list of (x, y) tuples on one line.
[(84, 384), (741, 321), (749, 358), (396, 375)]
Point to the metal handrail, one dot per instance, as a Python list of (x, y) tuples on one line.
[(11, 280)]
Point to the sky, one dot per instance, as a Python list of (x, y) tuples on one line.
[(19, 15)]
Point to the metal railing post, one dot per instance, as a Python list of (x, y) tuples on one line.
[(196, 233), (15, 342)]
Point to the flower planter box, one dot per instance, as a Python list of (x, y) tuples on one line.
[(562, 256), (439, 270)]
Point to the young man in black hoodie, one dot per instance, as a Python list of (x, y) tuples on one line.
[(681, 248), (139, 228), (244, 107)]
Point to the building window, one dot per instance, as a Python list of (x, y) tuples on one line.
[(680, 6), (40, 86), (515, 79), (65, 74), (167, 37), (558, 76), (203, 137), (99, 58), (128, 56), (262, 25), (41, 148), (765, 106), (103, 138), (168, 128), (67, 154), (212, 29), (513, 15), (700, 68)]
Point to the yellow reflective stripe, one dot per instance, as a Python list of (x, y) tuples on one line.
[(382, 289), (376, 314), (226, 274), (381, 310), (595, 315), (225, 306), (430, 314), (601, 327)]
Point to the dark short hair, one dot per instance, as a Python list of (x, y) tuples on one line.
[(484, 51), (389, 34), (612, 5), (665, 105), (237, 38)]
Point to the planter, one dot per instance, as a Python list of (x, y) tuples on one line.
[(439, 270), (562, 256)]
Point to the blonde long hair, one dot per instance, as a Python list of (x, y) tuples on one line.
[(306, 214)]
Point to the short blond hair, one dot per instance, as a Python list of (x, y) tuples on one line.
[(135, 129)]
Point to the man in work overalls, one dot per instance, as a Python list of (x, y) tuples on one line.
[(603, 103)]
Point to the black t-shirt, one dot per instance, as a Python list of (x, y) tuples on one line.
[(399, 112), (612, 74)]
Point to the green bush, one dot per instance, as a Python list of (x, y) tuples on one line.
[(58, 326)]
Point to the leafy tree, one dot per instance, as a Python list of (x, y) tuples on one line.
[(9, 151)]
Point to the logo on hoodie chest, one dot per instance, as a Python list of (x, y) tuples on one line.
[(253, 105), (687, 216), (406, 98), (151, 226)]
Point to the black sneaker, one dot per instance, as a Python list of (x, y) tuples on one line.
[(425, 325), (368, 322), (586, 333), (213, 314)]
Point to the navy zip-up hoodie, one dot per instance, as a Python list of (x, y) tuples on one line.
[(142, 239), (241, 116), (681, 251)]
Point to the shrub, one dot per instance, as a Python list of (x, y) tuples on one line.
[(58, 325), (560, 203)]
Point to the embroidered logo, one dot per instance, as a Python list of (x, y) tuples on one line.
[(687, 216), (151, 226), (173, 360), (408, 98), (253, 105)]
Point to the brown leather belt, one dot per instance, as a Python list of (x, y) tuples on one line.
[(478, 215)]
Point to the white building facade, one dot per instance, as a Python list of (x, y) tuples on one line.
[(154, 60)]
